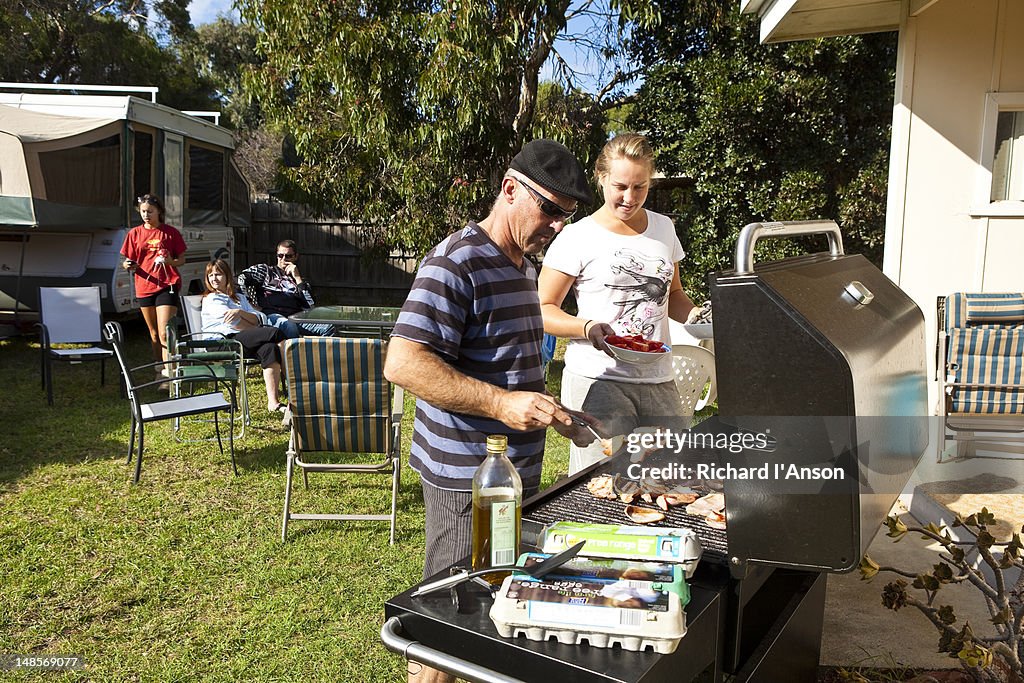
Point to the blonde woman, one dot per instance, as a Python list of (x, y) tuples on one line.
[(227, 312), (622, 265)]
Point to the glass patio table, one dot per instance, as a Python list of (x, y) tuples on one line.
[(352, 320)]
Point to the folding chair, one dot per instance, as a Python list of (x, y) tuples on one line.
[(980, 371), (694, 368), (168, 409), (225, 356), (70, 315), (340, 402)]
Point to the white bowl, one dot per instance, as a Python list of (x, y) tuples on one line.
[(639, 357), (700, 330)]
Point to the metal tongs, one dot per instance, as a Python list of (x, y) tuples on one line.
[(536, 570), (583, 423), (609, 446)]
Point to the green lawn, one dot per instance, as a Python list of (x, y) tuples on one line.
[(183, 576)]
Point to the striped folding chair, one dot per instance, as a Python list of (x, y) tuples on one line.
[(981, 362), (340, 403)]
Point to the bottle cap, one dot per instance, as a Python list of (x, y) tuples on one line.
[(497, 442)]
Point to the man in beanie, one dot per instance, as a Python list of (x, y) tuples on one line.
[(468, 344)]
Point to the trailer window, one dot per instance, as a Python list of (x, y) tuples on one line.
[(238, 197), (142, 175), (205, 179), (87, 175)]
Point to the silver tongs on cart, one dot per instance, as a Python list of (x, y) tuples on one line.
[(536, 571)]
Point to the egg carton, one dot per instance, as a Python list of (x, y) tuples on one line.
[(630, 614)]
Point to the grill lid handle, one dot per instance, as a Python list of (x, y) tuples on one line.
[(752, 232)]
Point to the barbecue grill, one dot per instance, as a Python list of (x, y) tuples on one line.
[(824, 356)]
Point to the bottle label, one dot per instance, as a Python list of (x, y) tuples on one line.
[(503, 533)]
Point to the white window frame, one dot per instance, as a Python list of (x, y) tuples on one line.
[(982, 204)]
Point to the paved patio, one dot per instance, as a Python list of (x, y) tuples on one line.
[(858, 630)]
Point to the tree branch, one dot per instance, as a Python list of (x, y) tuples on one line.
[(898, 572), (932, 614), (986, 554)]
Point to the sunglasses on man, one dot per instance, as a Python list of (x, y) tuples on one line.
[(548, 207), (286, 257)]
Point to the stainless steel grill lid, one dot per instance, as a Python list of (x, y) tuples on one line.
[(827, 355)]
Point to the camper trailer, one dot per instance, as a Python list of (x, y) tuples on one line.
[(71, 167)]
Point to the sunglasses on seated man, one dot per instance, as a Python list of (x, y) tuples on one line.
[(286, 257), (548, 207)]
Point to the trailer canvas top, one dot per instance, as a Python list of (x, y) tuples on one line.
[(71, 166)]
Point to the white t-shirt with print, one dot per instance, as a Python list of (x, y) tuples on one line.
[(622, 280)]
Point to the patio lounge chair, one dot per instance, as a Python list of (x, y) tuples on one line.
[(340, 402), (979, 365)]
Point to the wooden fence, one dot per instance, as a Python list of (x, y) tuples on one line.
[(331, 255)]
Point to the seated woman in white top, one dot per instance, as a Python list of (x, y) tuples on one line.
[(228, 312)]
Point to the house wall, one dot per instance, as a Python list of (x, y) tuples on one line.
[(952, 54)]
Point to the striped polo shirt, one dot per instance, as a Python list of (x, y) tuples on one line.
[(480, 313)]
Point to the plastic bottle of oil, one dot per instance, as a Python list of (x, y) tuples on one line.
[(497, 508)]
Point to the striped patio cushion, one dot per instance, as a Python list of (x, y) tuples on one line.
[(1010, 309), (965, 309), (339, 397), (987, 355)]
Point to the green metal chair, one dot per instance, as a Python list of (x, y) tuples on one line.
[(224, 356), (340, 402)]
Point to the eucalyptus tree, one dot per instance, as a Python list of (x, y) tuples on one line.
[(221, 51), (104, 42), (405, 112), (765, 132)]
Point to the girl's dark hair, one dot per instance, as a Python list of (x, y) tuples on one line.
[(225, 269), (152, 200)]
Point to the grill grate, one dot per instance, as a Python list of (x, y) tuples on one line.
[(577, 504)]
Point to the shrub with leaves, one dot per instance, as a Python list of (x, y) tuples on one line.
[(992, 656)]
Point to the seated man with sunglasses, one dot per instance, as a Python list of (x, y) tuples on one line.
[(278, 290)]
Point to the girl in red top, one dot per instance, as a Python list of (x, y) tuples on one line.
[(153, 251)]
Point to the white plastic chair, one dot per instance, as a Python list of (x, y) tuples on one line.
[(694, 367), (70, 315)]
